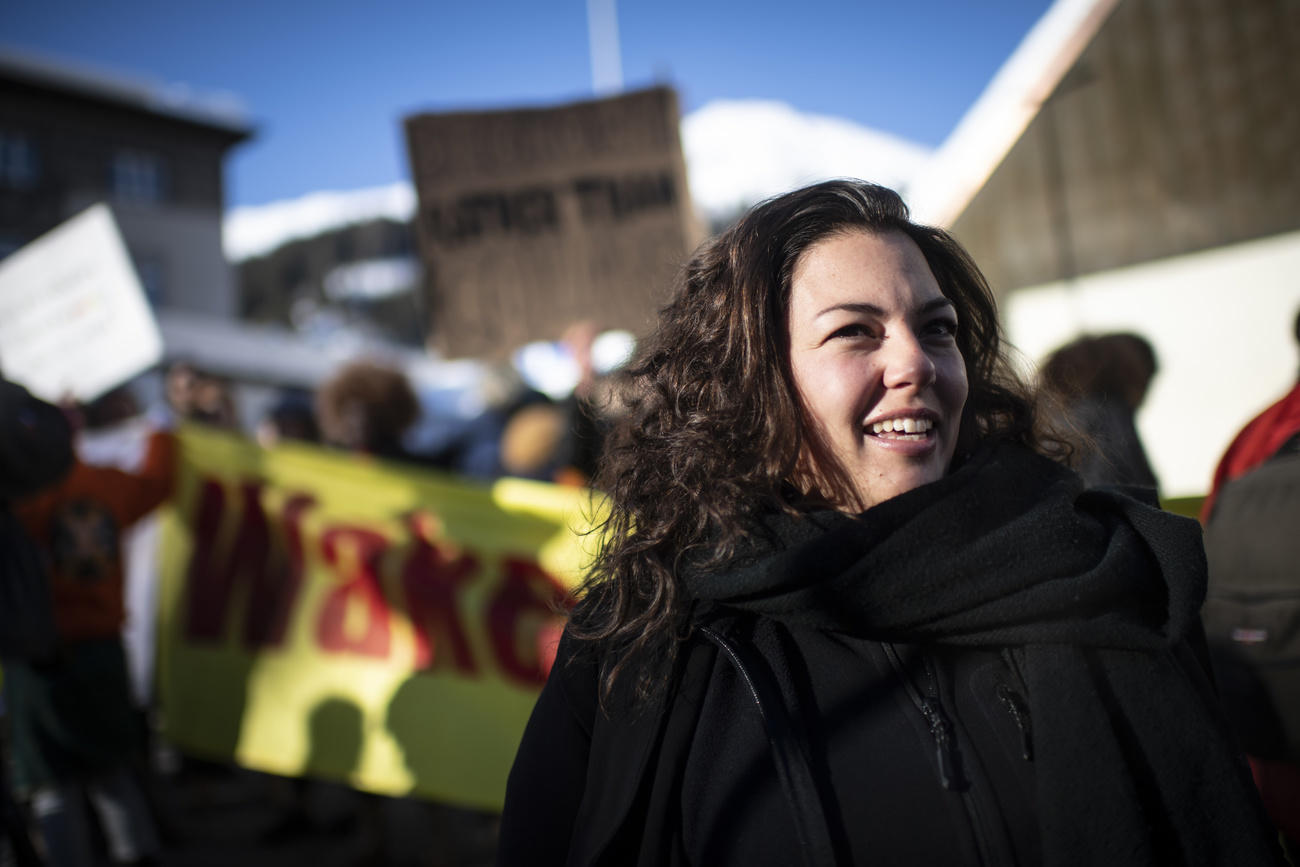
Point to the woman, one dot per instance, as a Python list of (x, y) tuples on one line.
[(845, 613)]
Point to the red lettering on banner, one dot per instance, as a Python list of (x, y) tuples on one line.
[(431, 579), (209, 587), (355, 554), (255, 571), (273, 579), (270, 601), (527, 600)]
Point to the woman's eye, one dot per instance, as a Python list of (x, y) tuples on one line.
[(855, 329), (943, 327)]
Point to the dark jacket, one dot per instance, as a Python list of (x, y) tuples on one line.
[(582, 777), (993, 669), (35, 452)]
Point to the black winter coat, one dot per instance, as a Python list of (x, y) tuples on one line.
[(994, 669), (582, 777)]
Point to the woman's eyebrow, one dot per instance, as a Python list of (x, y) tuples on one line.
[(934, 304), (872, 310), (853, 307)]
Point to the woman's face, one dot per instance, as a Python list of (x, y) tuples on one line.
[(875, 361)]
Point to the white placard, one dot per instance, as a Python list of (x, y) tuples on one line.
[(74, 321)]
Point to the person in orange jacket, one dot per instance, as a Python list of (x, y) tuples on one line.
[(73, 724)]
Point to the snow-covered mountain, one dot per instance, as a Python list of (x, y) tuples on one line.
[(737, 153), (256, 229)]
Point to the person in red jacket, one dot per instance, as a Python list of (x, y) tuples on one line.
[(1258, 440), (73, 726)]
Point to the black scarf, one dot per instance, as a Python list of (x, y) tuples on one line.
[(1093, 591)]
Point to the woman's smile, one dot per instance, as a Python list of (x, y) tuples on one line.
[(914, 433)]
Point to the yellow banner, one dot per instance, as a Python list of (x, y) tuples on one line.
[(1189, 507), (368, 622)]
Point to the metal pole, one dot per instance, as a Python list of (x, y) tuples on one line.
[(602, 34)]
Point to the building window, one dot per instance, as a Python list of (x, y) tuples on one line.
[(152, 272), (18, 168), (137, 177)]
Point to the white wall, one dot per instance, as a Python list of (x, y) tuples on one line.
[(1221, 323), (187, 241)]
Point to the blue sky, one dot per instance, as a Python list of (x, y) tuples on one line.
[(327, 83)]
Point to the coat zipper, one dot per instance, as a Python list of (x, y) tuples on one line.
[(1019, 712), (1013, 699), (945, 742)]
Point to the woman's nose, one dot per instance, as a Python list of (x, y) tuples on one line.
[(906, 362)]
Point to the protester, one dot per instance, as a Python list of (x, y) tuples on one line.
[(1258, 440), (532, 444), (366, 407), (1094, 385), (586, 409), (845, 612), (1251, 516), (291, 417), (195, 395), (35, 451), (485, 447), (74, 727), (114, 431)]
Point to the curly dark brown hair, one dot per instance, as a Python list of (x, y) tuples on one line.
[(714, 430), (365, 407)]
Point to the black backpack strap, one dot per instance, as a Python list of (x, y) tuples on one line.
[(789, 748)]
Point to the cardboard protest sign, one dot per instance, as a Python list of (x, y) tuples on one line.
[(74, 321), (531, 219)]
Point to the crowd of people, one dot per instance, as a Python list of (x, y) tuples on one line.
[(75, 727), (370, 407), (863, 595)]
